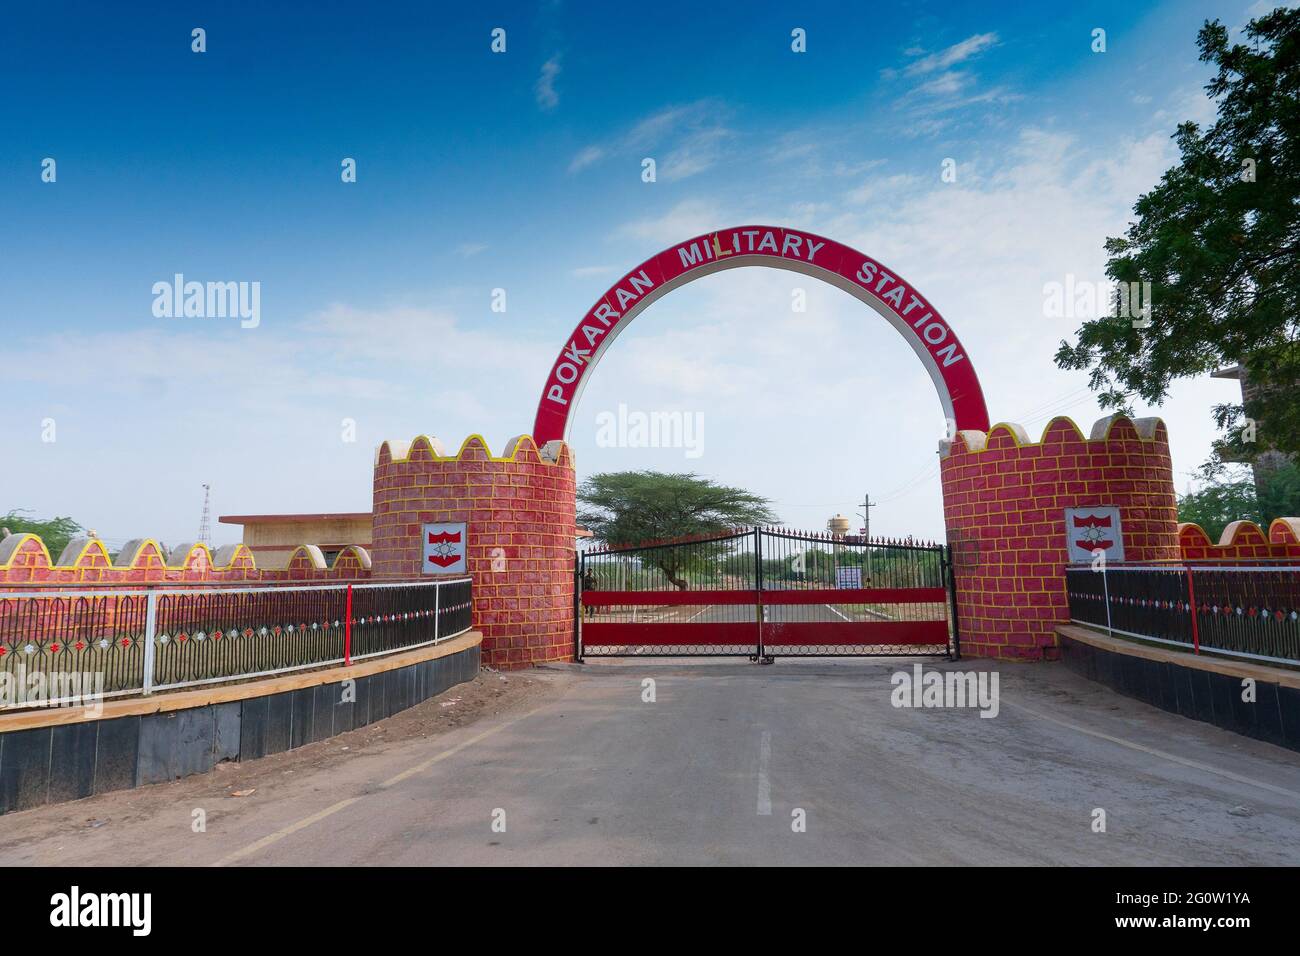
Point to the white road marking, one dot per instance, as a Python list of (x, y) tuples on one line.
[(329, 811), (764, 784), (1152, 751), (833, 611)]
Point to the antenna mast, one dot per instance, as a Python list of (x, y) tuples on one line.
[(205, 531)]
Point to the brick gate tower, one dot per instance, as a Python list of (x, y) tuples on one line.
[(1004, 502), (519, 515)]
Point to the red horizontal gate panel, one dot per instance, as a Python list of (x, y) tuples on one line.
[(787, 633), (675, 598), (804, 596), (680, 635), (855, 596)]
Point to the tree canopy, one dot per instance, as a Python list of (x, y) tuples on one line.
[(1219, 240), (636, 507), (1227, 494), (55, 532)]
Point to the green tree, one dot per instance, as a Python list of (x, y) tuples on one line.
[(1229, 493), (1219, 240), (633, 507), (55, 532)]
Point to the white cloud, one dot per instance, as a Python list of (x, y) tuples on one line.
[(793, 147), (942, 98), (586, 157), (469, 249), (1187, 104), (651, 130), (697, 152), (688, 218), (406, 336), (1261, 7), (826, 387), (255, 412), (890, 186), (683, 140), (945, 84), (547, 97), (952, 55), (817, 151)]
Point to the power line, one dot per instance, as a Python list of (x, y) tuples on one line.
[(1048, 409)]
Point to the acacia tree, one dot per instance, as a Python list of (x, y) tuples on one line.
[(1219, 240), (55, 532), (634, 507)]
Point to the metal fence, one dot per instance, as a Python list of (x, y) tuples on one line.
[(52, 643), (1240, 611)]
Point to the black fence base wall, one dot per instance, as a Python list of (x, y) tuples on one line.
[(1209, 695), (45, 765)]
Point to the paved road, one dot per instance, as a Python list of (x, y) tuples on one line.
[(715, 768), (719, 613), (715, 614)]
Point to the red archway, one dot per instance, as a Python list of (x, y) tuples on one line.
[(930, 336)]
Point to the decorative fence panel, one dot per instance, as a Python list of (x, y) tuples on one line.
[(66, 646), (1241, 611)]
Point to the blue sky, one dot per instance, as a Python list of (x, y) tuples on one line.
[(522, 171)]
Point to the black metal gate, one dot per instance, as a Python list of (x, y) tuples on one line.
[(765, 593)]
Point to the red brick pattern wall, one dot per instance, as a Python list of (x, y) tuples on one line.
[(521, 524), (1242, 541), (1004, 504)]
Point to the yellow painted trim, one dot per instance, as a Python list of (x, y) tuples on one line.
[(1290, 523), (212, 559), (358, 551), (85, 548), (240, 548), (1011, 428), (517, 443), (1192, 524), (186, 560), (1116, 420), (1234, 529), (19, 546), (144, 543), (303, 548)]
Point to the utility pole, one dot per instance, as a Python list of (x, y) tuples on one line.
[(866, 528), (205, 532)]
